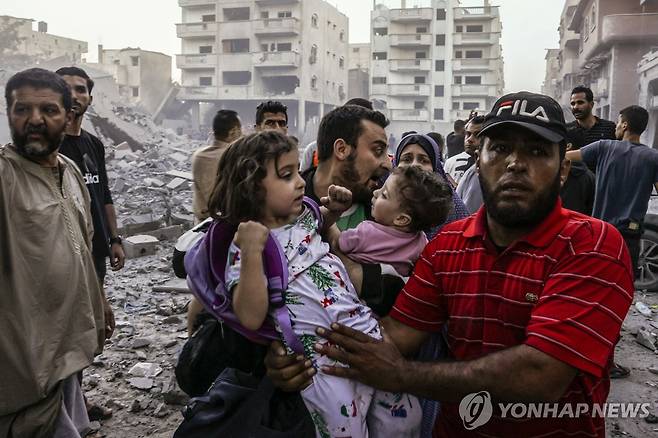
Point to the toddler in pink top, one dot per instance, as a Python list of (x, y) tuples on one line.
[(410, 201)]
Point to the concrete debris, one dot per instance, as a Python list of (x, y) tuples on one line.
[(179, 174), (140, 246), (140, 343), (176, 183), (141, 383), (177, 156), (647, 339), (145, 369)]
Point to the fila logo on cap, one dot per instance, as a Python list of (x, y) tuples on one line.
[(518, 107)]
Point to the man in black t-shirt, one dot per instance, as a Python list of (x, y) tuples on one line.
[(594, 128), (88, 153)]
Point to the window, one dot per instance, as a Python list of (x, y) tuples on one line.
[(208, 18), (459, 29), (421, 30), (236, 77), (284, 47), (471, 105), (419, 104), (236, 46), (475, 28), (379, 80), (379, 56), (380, 31), (314, 82), (342, 35), (440, 14), (264, 47), (314, 54), (314, 20), (265, 15), (470, 54), (458, 54), (458, 79), (439, 65), (455, 105), (341, 62), (440, 39), (438, 113), (356, 49), (419, 79), (421, 55), (284, 14), (205, 49), (236, 14), (135, 91), (134, 61), (205, 81), (473, 80), (438, 90)]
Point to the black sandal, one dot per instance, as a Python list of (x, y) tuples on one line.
[(617, 371)]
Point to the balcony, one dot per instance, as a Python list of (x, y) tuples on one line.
[(412, 15), (630, 28), (410, 115), (653, 103), (197, 93), (199, 61), (465, 114), (197, 30), (185, 3), (473, 64), (379, 89), (276, 2), (476, 13), (475, 38), (410, 65), (276, 60), (473, 90), (274, 27), (411, 40), (600, 87), (409, 90)]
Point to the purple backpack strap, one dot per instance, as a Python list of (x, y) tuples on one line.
[(315, 209)]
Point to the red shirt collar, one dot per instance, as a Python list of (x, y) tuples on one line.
[(541, 236)]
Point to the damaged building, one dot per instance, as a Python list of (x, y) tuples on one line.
[(236, 54)]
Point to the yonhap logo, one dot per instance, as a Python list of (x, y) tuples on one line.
[(476, 410)]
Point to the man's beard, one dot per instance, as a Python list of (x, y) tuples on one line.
[(513, 216), (35, 149), (579, 115), (360, 192)]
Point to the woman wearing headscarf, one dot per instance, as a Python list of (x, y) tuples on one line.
[(422, 150)]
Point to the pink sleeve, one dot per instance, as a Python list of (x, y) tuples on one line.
[(353, 240)]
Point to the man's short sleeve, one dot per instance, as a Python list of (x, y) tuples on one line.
[(419, 304), (591, 153), (584, 302)]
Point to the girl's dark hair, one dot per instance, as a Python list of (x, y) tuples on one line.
[(425, 196), (238, 195)]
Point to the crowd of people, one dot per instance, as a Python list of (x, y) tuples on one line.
[(500, 259)]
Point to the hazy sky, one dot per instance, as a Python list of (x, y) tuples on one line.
[(529, 27)]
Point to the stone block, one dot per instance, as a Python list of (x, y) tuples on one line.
[(139, 246), (141, 223), (176, 183), (186, 220), (167, 233), (180, 174)]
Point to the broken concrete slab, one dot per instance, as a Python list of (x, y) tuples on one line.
[(180, 174), (139, 223), (123, 146), (177, 285), (176, 183), (140, 245), (167, 233), (153, 182), (141, 383), (186, 220), (646, 339), (177, 156), (145, 369)]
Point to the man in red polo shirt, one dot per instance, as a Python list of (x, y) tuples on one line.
[(531, 296)]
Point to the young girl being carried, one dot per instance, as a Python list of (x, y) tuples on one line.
[(259, 188)]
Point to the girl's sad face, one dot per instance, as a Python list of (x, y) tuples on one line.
[(284, 191)]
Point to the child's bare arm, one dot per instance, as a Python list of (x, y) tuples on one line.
[(250, 296), (337, 201)]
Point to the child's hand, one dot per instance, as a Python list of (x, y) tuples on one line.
[(251, 236), (338, 199)]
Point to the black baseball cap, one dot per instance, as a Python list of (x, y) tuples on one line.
[(535, 112)]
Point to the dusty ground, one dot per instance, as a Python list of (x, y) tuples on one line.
[(158, 319)]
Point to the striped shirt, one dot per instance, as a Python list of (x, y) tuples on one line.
[(602, 130), (563, 289)]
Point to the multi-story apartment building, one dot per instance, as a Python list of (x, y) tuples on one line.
[(39, 43), (549, 87), (648, 71), (435, 63), (358, 62), (601, 44), (238, 53), (143, 77)]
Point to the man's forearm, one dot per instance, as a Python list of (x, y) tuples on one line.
[(111, 215), (520, 374)]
